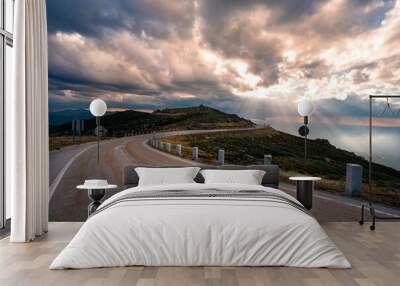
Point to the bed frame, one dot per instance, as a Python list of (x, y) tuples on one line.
[(271, 178)]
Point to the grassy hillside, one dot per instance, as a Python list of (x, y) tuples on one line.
[(199, 117), (324, 159), (202, 117), (56, 142)]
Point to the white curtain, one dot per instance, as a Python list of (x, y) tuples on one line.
[(27, 124)]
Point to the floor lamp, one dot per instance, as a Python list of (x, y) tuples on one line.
[(369, 205), (98, 108), (305, 108)]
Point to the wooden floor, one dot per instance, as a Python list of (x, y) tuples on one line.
[(375, 257)]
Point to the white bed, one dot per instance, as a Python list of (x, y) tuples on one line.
[(202, 231)]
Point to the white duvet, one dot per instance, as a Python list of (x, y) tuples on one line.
[(193, 231)]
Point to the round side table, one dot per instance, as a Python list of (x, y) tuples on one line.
[(304, 189), (95, 193)]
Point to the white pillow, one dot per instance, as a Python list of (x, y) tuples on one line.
[(166, 176), (247, 177)]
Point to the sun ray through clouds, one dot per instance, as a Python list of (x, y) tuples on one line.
[(255, 58)]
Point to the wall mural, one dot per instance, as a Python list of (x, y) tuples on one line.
[(240, 67)]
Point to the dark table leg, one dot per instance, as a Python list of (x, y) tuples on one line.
[(305, 193), (95, 196)]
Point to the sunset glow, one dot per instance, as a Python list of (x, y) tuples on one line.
[(150, 54)]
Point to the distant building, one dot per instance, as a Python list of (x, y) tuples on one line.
[(101, 129)]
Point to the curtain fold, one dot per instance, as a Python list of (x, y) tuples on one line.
[(27, 124)]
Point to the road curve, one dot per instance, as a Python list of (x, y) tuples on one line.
[(69, 204), (69, 167)]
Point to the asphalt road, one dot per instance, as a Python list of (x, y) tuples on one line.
[(71, 166), (69, 204)]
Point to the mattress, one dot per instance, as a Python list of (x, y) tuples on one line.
[(201, 225)]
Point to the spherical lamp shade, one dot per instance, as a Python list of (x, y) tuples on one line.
[(305, 107), (98, 107)]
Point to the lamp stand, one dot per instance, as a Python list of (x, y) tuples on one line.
[(305, 137), (98, 138)]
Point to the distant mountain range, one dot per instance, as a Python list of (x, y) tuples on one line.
[(119, 123), (66, 116)]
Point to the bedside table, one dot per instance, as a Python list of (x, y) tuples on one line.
[(304, 189), (96, 190)]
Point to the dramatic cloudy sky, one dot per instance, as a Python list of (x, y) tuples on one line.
[(252, 57)]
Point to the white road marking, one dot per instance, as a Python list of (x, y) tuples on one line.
[(124, 157), (60, 175), (341, 200)]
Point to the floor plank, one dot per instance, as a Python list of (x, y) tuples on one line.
[(375, 257)]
